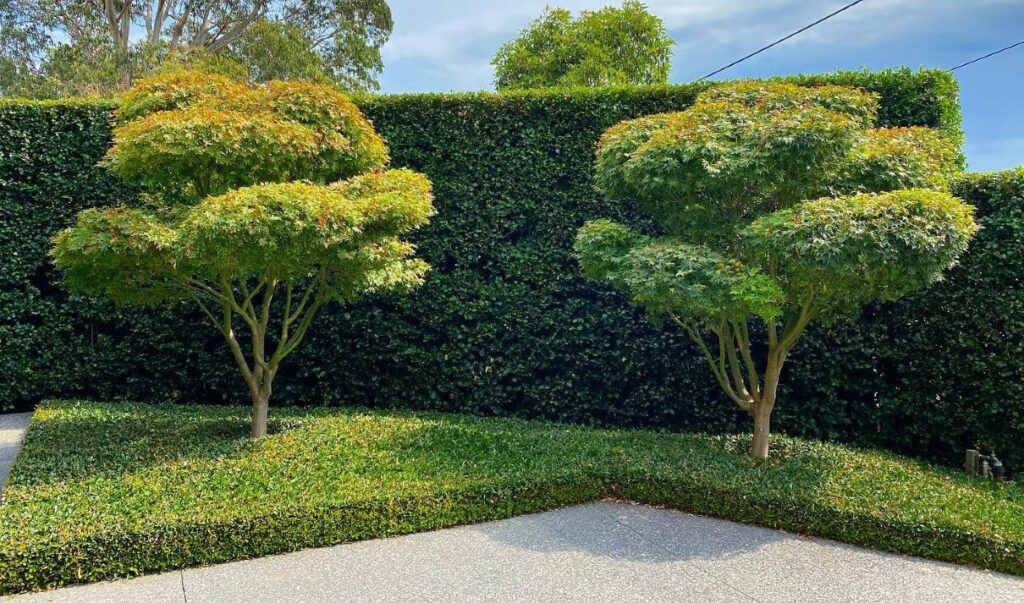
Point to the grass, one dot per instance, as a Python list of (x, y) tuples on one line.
[(105, 490)]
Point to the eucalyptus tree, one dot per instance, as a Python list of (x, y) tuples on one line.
[(75, 47), (775, 205), (265, 203)]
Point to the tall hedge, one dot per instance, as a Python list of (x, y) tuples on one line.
[(505, 325)]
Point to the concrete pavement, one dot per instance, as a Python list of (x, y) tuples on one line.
[(12, 430), (596, 552)]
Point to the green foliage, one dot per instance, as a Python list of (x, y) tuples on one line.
[(925, 97), (107, 490), (175, 89), (198, 134), (126, 253), (288, 231), (610, 46), (505, 324), (200, 150), (749, 148), (893, 158), (276, 50), (348, 144), (283, 232), (848, 251), (64, 49), (88, 66), (668, 277)]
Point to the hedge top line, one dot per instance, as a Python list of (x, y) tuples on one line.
[(916, 97)]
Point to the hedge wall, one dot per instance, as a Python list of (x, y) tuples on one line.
[(505, 325)]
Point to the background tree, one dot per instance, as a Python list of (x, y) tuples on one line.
[(275, 50), (65, 47), (240, 219), (611, 46), (775, 205)]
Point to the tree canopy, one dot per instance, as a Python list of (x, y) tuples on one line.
[(199, 134), (775, 203), (100, 47), (610, 46)]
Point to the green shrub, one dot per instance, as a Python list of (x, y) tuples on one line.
[(505, 324), (106, 490)]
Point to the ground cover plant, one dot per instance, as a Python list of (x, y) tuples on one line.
[(775, 205), (104, 490), (264, 203)]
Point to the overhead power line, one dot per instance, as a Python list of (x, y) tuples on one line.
[(781, 40), (991, 54)]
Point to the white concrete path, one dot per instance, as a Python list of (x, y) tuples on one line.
[(596, 552)]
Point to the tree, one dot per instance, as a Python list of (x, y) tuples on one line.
[(105, 45), (775, 205), (275, 50), (611, 46), (240, 218)]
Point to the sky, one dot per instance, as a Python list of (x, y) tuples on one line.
[(447, 45)]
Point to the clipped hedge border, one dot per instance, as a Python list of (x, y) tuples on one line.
[(189, 544), (629, 465)]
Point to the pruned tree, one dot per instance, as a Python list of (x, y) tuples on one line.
[(266, 203), (776, 205)]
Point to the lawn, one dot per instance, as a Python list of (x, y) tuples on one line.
[(104, 490)]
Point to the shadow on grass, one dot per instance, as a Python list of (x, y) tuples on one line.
[(123, 438)]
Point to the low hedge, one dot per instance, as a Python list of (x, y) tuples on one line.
[(505, 325), (109, 490)]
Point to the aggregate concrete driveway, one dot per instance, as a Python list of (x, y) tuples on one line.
[(596, 552)]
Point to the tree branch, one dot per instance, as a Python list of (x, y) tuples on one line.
[(236, 351), (224, 38), (743, 342), (300, 332), (200, 287), (229, 296), (730, 349), (318, 282), (289, 341), (793, 330), (205, 309), (722, 381), (260, 335)]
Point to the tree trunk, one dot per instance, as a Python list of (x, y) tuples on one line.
[(762, 429), (260, 405), (762, 412)]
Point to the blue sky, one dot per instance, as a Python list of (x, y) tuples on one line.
[(444, 45)]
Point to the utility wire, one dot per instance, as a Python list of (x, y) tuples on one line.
[(781, 40), (991, 54)]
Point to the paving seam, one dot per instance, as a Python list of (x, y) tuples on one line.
[(707, 573)]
